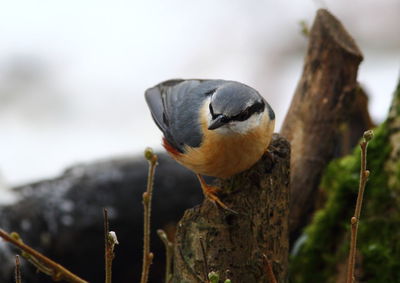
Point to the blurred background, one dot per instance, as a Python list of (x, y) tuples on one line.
[(73, 73)]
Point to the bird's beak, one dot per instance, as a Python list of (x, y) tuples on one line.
[(217, 122)]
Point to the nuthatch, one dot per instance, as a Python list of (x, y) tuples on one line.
[(213, 127)]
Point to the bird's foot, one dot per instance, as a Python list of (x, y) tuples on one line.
[(210, 192)]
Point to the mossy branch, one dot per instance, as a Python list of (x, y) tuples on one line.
[(147, 196), (364, 173), (41, 262)]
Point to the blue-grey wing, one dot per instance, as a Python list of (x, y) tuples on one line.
[(175, 106)]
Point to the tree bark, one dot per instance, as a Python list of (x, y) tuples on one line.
[(358, 121), (320, 104), (234, 244)]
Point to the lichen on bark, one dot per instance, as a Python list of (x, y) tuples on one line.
[(323, 254)]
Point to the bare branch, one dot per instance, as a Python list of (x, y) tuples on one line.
[(43, 263), (147, 196), (169, 250), (110, 240), (364, 173), (17, 270)]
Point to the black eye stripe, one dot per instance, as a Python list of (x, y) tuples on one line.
[(255, 108), (242, 116)]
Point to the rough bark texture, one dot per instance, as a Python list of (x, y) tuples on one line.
[(321, 103), (234, 244)]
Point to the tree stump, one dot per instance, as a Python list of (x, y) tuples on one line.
[(322, 101), (233, 245)]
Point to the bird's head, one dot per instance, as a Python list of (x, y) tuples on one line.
[(236, 108)]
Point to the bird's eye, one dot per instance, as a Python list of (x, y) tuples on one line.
[(242, 116), (255, 108), (225, 119)]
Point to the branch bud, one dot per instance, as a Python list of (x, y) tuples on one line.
[(112, 237), (146, 197), (368, 135), (213, 276), (162, 235), (150, 155)]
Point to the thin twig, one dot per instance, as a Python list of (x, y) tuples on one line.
[(17, 270), (203, 252), (269, 270), (364, 173), (147, 196), (107, 259), (43, 263), (169, 254), (110, 240)]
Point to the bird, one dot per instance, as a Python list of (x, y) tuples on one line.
[(214, 128)]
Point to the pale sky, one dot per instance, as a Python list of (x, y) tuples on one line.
[(92, 61)]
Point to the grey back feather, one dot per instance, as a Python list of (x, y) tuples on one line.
[(175, 105)]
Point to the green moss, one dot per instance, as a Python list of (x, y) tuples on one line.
[(327, 237)]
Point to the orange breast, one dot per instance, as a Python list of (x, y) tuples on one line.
[(225, 155)]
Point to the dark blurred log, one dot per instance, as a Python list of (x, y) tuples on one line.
[(234, 244), (63, 217), (321, 103)]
